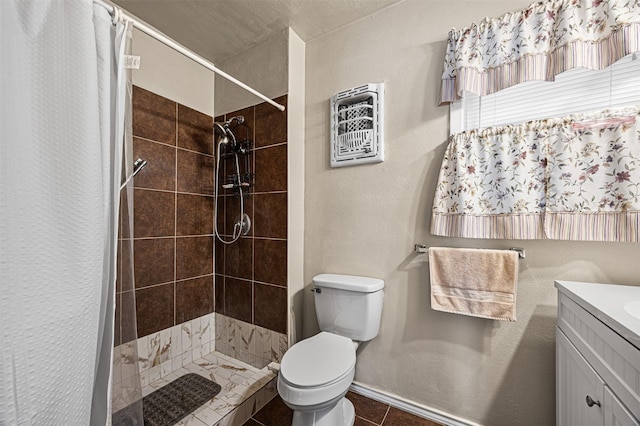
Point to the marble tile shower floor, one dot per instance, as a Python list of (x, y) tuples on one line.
[(244, 390)]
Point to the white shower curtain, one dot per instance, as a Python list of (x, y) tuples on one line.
[(60, 162)]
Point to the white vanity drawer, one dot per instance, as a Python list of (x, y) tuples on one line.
[(614, 358), (615, 413)]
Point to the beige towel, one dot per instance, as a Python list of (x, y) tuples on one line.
[(480, 283)]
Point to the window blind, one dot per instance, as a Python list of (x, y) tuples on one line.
[(575, 91)]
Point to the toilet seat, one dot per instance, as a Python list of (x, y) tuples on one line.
[(316, 372), (318, 361)]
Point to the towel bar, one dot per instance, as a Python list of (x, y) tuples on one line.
[(421, 248)]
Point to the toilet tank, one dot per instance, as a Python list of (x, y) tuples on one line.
[(349, 305)]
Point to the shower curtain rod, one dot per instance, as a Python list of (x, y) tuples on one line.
[(113, 10)]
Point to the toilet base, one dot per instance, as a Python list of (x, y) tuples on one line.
[(341, 414)]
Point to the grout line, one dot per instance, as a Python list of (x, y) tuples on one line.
[(246, 237), (269, 192), (368, 421), (237, 278), (229, 235), (213, 215), (175, 223), (166, 237), (269, 146), (194, 193), (260, 423), (253, 276), (213, 223), (253, 302), (270, 284), (253, 212), (195, 152), (152, 140), (385, 415), (270, 238), (155, 285), (154, 190), (194, 278)]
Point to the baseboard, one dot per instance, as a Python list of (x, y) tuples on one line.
[(410, 407)]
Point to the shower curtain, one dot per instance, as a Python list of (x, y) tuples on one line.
[(60, 173)]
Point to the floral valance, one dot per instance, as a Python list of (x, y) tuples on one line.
[(538, 43), (574, 178)]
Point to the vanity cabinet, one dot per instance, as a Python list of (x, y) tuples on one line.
[(597, 356)]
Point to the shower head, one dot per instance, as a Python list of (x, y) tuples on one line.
[(224, 128), (238, 119)]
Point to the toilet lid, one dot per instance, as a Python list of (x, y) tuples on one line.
[(318, 360)]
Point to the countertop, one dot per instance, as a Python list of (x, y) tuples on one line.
[(617, 306)]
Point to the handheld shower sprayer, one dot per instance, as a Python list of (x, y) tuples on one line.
[(227, 139)]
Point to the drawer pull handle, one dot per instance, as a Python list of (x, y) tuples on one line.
[(591, 402)]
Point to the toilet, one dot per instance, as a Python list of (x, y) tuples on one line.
[(315, 373)]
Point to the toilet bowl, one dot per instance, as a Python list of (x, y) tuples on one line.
[(315, 375)]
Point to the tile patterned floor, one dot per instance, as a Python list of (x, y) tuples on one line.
[(368, 413)]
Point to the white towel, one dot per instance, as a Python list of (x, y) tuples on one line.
[(474, 282)]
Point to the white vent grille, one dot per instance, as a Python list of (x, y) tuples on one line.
[(356, 126)]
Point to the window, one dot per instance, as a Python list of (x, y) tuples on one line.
[(575, 91)]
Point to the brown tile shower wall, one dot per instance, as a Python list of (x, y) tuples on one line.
[(173, 214), (174, 242), (251, 275)]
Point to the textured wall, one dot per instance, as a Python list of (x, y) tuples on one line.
[(263, 67), (365, 220), (170, 74), (295, 185)]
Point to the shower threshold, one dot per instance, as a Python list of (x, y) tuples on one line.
[(244, 390)]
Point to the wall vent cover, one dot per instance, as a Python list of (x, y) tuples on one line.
[(357, 135)]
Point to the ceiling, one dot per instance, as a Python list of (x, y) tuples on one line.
[(219, 29)]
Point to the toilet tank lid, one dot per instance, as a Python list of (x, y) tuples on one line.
[(348, 282)]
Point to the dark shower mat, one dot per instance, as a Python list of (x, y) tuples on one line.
[(173, 402)]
